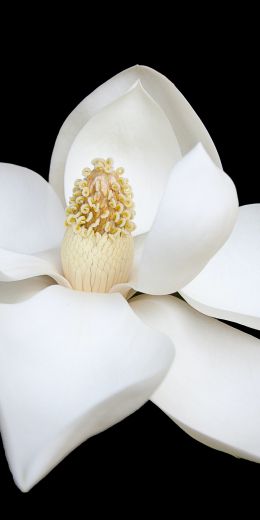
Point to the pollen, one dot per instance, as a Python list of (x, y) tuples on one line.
[(97, 250)]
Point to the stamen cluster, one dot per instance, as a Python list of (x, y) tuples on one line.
[(102, 202)]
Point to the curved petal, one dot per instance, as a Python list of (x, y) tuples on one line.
[(212, 390), (229, 286), (30, 212), (14, 266), (87, 365), (195, 217), (137, 134), (14, 292), (187, 127)]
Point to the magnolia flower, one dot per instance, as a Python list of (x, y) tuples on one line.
[(74, 362)]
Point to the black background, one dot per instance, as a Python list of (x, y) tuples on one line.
[(46, 70)]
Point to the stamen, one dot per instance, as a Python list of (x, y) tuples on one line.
[(85, 191), (97, 249), (89, 217), (84, 209)]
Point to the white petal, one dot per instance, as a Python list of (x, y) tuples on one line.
[(213, 387), (31, 214), (73, 365), (229, 286), (195, 217), (135, 132), (187, 127), (15, 266), (14, 292)]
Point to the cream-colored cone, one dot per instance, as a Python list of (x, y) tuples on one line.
[(97, 262)]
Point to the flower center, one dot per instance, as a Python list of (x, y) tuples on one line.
[(102, 202), (97, 249)]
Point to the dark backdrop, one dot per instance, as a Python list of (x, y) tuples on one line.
[(146, 457)]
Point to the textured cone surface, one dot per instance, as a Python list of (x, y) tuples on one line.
[(96, 263)]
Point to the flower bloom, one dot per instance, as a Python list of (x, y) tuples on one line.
[(75, 362)]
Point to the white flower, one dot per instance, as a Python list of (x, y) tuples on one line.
[(73, 363)]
